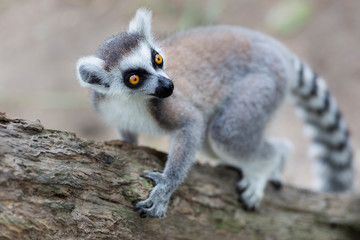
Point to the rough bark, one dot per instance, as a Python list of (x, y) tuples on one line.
[(54, 185)]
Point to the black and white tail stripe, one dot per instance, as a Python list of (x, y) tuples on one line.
[(326, 127)]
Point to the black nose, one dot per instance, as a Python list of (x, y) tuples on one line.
[(165, 88)]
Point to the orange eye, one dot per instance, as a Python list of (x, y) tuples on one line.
[(158, 59), (134, 79)]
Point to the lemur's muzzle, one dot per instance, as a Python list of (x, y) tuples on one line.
[(165, 87)]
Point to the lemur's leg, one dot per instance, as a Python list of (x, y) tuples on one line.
[(184, 143), (236, 135), (284, 149), (128, 136)]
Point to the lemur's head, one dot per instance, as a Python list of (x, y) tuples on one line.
[(127, 64)]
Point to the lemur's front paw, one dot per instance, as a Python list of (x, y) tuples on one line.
[(156, 177), (157, 203), (251, 191)]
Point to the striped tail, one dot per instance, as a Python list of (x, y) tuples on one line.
[(326, 127)]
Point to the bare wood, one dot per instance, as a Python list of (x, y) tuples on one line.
[(54, 185)]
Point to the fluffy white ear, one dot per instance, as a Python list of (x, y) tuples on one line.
[(141, 23), (90, 73)]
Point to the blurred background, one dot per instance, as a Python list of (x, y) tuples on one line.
[(40, 41)]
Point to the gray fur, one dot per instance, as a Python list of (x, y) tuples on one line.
[(96, 97), (117, 47), (183, 146), (128, 136), (228, 81), (248, 108)]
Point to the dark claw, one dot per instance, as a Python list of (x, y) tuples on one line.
[(134, 203), (240, 199), (143, 215), (153, 181), (248, 208), (277, 185), (240, 190), (140, 209), (149, 205)]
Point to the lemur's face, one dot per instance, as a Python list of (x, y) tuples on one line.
[(127, 64)]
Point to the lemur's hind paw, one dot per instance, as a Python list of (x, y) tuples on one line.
[(250, 192), (276, 184), (156, 177)]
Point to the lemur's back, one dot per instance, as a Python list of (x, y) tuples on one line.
[(206, 62)]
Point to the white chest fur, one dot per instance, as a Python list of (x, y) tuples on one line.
[(127, 114)]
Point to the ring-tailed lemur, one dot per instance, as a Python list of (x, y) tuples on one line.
[(228, 83)]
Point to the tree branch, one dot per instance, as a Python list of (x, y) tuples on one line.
[(54, 185)]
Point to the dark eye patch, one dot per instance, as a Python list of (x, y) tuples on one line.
[(155, 65), (142, 73)]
